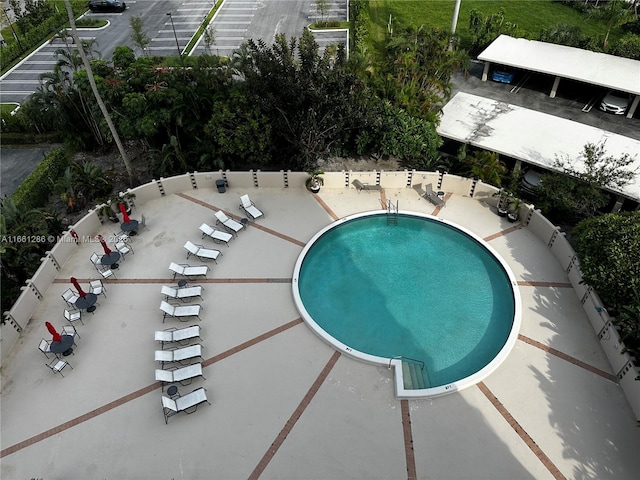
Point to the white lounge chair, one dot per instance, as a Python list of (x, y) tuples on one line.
[(181, 293), (249, 207), (177, 335), (179, 355), (201, 252), (228, 223), (184, 375), (187, 403), (181, 312), (216, 235), (188, 270)]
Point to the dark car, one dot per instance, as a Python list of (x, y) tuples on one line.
[(107, 5)]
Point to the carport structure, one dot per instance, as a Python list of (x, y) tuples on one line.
[(609, 71), (533, 137)]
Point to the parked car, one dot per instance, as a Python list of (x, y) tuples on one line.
[(615, 104), (502, 76), (107, 5), (531, 180)]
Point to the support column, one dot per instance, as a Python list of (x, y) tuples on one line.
[(554, 89), (485, 73), (634, 105)]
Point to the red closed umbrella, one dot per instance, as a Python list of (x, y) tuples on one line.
[(104, 245), (125, 217), (52, 331), (78, 288)]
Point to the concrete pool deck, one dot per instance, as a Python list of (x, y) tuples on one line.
[(283, 403)]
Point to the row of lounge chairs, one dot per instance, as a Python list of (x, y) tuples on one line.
[(184, 354), (184, 373)]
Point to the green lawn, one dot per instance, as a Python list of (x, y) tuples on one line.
[(531, 16), (7, 108)]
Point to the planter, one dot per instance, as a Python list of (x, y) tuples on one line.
[(502, 212), (512, 217), (315, 180)]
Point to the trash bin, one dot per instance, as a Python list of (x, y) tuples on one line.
[(220, 185)]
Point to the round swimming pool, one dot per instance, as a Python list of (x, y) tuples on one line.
[(412, 288)]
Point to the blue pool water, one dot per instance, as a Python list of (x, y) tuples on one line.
[(421, 289)]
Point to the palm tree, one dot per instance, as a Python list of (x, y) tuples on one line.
[(615, 13), (94, 88)]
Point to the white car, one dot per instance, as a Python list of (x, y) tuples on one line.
[(614, 104)]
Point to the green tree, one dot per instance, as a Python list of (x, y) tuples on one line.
[(209, 38), (18, 260), (322, 8), (628, 46), (484, 29), (416, 74), (609, 251), (138, 35), (240, 131), (486, 166), (577, 192), (614, 13)]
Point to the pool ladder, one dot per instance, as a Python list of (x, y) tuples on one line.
[(392, 213)]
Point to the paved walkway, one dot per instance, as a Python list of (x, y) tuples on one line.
[(284, 403)]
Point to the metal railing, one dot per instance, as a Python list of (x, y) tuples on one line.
[(408, 360)]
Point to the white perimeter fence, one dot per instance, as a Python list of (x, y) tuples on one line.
[(627, 373)]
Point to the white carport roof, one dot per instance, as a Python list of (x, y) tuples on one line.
[(533, 137), (567, 62)]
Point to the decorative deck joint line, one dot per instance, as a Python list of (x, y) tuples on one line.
[(295, 416), (408, 440), (238, 217), (250, 343), (138, 393), (325, 206), (151, 281), (568, 358), (504, 232), (533, 446)]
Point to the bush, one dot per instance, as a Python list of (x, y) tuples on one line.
[(36, 189), (628, 47), (609, 251), (569, 35), (631, 27)]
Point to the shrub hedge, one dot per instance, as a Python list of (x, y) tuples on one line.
[(35, 191)]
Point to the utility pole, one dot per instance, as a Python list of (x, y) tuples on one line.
[(174, 35)]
